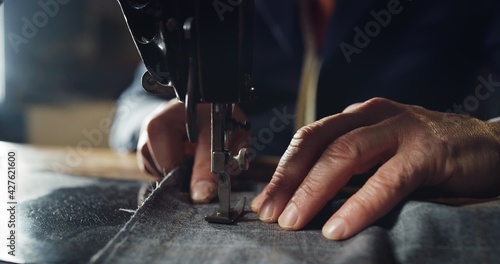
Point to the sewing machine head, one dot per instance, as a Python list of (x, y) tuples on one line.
[(200, 52)]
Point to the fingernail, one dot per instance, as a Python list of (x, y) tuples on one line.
[(334, 229), (203, 191), (266, 211), (289, 217)]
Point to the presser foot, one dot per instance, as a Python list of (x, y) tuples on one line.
[(228, 218)]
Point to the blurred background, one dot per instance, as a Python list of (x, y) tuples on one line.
[(66, 62)]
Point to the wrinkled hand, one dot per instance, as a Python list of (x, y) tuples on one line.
[(163, 145), (414, 146)]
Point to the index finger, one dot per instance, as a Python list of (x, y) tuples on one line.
[(358, 150), (306, 148), (383, 191), (203, 182)]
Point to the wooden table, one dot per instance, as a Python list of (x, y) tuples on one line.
[(108, 164), (92, 162), (99, 162)]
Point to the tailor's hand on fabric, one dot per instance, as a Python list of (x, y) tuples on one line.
[(414, 146), (163, 144)]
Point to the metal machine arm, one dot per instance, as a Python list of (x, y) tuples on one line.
[(201, 51)]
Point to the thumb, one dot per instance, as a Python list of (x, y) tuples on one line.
[(203, 181)]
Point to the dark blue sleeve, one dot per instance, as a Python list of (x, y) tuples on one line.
[(133, 106), (492, 49)]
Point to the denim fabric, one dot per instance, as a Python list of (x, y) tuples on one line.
[(69, 225), (433, 233), (168, 229)]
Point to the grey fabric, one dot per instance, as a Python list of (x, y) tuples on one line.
[(433, 233), (168, 229), (69, 225)]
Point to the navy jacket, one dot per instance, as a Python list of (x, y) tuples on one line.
[(440, 54)]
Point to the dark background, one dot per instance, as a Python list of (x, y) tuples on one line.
[(82, 53)]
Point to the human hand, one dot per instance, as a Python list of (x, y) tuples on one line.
[(415, 147), (163, 145)]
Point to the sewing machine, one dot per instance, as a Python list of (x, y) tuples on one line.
[(200, 51)]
